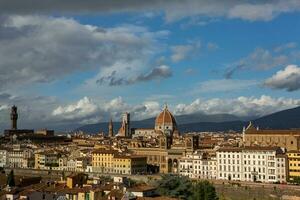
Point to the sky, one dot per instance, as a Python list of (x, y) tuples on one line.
[(79, 62)]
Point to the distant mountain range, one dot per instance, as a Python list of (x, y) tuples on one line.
[(285, 119)]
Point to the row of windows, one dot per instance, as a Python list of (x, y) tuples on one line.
[(294, 165), (249, 176), (294, 159), (245, 156), (294, 154)]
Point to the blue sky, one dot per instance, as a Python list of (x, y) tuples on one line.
[(234, 39), (84, 64)]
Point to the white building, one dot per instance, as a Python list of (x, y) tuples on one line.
[(71, 165), (81, 164), (3, 157), (198, 165), (17, 157), (212, 167), (263, 164)]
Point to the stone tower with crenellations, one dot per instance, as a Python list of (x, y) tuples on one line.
[(14, 117)]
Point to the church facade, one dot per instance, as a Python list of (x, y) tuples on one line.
[(169, 146), (288, 139)]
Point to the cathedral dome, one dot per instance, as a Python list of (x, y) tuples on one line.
[(165, 119)]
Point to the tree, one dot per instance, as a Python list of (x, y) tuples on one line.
[(182, 188), (175, 186), (203, 190), (11, 179)]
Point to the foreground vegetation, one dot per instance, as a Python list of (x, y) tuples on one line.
[(183, 188)]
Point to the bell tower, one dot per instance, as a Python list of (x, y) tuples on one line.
[(110, 129), (14, 117)]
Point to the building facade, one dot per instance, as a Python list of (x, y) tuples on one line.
[(17, 158), (294, 164), (3, 157), (252, 164), (198, 166), (124, 131), (289, 139), (110, 161), (46, 160)]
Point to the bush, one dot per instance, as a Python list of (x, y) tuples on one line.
[(175, 186)]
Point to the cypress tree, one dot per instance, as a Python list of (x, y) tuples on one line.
[(11, 179)]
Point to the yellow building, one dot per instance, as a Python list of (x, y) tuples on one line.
[(294, 164), (102, 160), (110, 161), (130, 164)]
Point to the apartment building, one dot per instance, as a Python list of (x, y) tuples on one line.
[(110, 161), (129, 164), (102, 160), (18, 158), (263, 164), (3, 157), (198, 165), (294, 164), (46, 160)]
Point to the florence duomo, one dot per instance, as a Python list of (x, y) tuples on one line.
[(155, 99)]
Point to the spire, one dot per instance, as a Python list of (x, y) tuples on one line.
[(110, 128)]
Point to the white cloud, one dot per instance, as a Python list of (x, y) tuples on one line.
[(48, 112), (87, 110), (180, 52), (288, 79), (83, 108), (241, 106), (30, 51), (184, 51)]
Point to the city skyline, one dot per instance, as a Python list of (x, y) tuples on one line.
[(79, 64)]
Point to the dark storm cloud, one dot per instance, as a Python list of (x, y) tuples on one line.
[(174, 9)]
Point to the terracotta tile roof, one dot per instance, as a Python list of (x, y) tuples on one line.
[(165, 117)]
